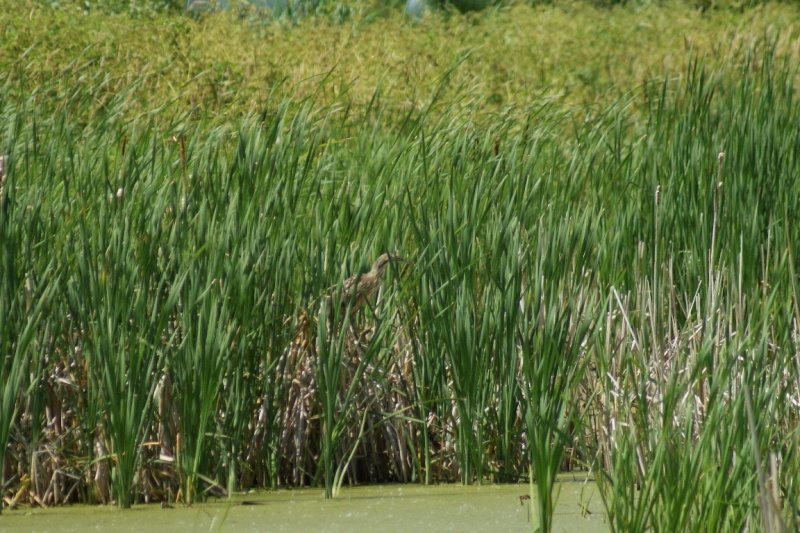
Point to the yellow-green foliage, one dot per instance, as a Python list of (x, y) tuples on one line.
[(221, 65)]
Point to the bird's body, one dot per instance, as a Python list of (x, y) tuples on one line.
[(360, 289)]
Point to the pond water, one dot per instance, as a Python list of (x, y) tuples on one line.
[(383, 508)]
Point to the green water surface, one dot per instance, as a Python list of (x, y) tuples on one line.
[(381, 508)]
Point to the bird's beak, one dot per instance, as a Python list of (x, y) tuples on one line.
[(394, 257)]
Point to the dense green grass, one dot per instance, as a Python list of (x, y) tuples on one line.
[(610, 286)]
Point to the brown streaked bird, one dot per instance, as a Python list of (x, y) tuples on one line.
[(359, 289)]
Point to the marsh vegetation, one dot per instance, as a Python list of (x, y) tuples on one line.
[(602, 267)]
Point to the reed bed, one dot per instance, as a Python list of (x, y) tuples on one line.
[(612, 290)]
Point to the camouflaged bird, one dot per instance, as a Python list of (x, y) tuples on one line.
[(361, 289)]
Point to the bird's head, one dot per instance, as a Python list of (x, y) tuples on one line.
[(385, 259)]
